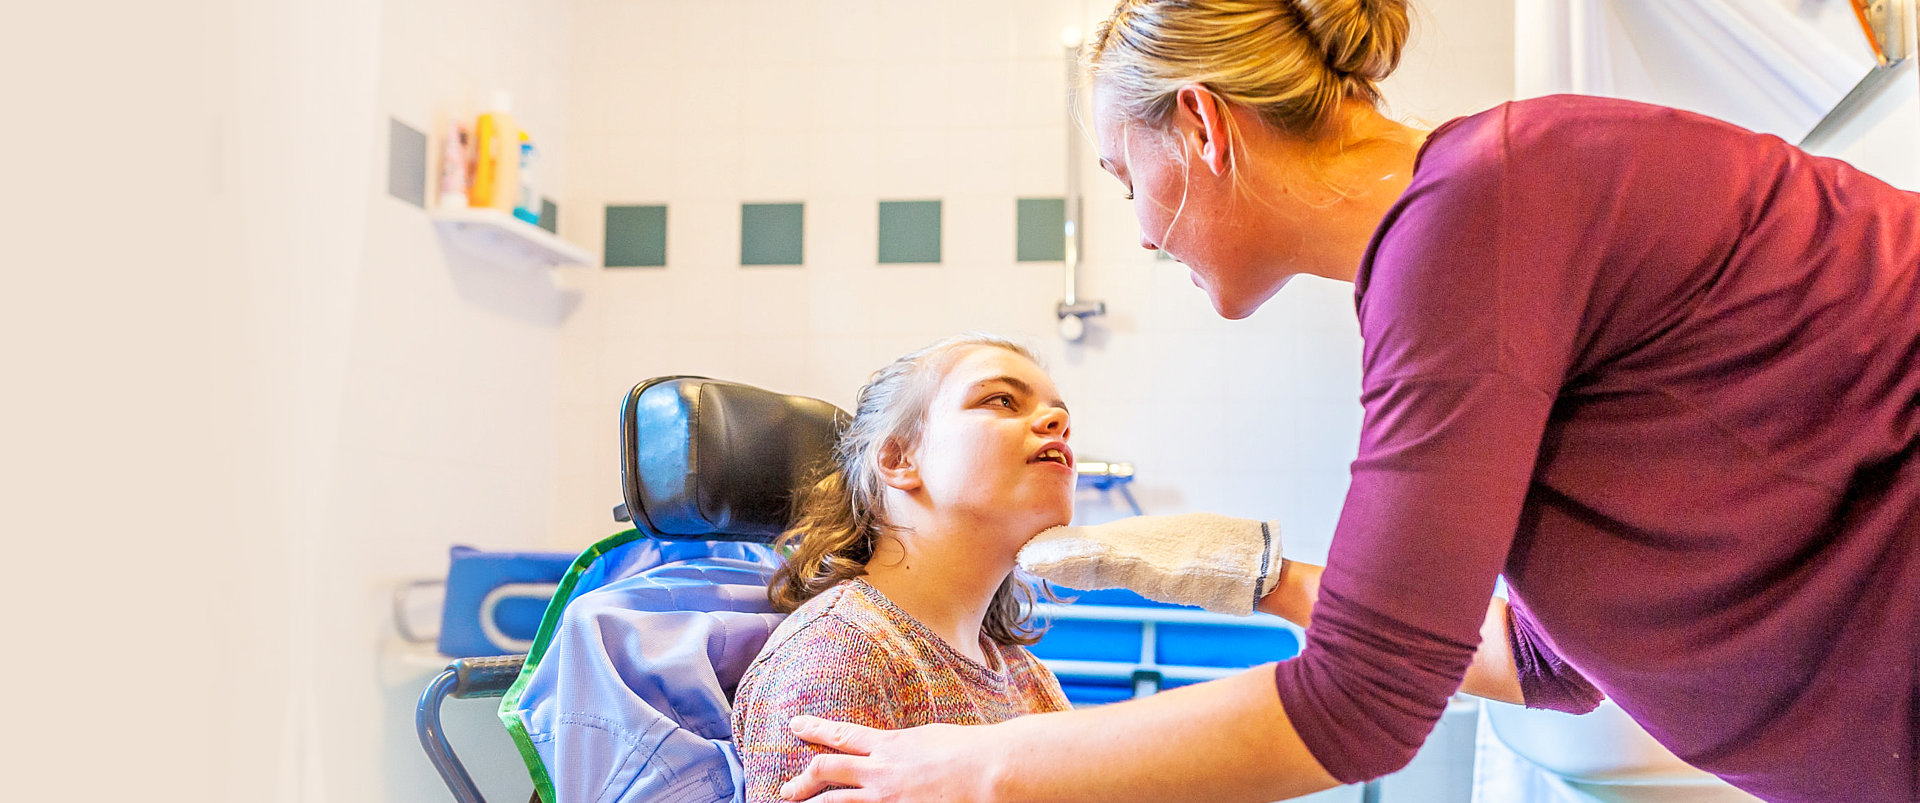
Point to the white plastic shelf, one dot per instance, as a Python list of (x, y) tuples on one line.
[(499, 237)]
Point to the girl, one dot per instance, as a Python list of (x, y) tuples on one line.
[(905, 610)]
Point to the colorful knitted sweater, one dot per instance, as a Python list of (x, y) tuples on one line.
[(850, 654)]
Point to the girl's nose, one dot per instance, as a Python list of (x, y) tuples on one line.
[(1053, 420), (1146, 243)]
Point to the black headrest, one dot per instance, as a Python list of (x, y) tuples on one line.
[(709, 460)]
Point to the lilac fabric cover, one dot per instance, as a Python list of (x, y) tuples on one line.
[(631, 702)]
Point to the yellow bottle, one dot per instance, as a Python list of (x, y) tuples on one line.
[(496, 164)]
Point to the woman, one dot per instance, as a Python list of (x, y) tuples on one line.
[(1660, 372), (905, 607)]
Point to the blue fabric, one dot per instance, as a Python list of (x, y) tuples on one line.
[(632, 699)]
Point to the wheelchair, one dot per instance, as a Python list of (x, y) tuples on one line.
[(657, 623)]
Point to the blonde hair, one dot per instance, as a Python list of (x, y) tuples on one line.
[(1292, 62), (842, 513)]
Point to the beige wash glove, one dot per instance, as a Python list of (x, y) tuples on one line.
[(1219, 563)]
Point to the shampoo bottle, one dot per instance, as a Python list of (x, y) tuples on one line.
[(496, 166)]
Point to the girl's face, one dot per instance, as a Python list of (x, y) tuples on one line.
[(1198, 217), (993, 454)]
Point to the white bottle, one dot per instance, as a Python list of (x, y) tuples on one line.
[(526, 205)]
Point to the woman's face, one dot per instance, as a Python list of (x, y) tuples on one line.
[(1198, 217), (993, 455)]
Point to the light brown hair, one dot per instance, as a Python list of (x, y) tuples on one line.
[(1293, 62), (842, 515)]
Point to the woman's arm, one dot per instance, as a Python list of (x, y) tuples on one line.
[(1492, 675), (1234, 741)]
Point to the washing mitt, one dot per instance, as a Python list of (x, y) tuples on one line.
[(1220, 563)]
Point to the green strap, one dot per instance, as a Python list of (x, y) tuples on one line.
[(549, 621)]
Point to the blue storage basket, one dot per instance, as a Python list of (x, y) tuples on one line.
[(513, 616)]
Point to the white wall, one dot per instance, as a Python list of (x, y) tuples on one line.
[(119, 470), (259, 392), (1884, 139)]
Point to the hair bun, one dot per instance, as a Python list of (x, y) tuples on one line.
[(1360, 38)]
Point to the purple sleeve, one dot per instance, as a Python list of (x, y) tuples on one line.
[(1419, 544), (1546, 680), (1455, 342)]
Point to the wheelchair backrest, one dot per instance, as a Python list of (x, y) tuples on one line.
[(709, 460)]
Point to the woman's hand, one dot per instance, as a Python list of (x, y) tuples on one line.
[(930, 762)]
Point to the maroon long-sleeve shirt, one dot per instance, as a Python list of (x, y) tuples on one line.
[(1664, 373)]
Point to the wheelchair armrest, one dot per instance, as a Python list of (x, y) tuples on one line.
[(485, 677), (463, 678)]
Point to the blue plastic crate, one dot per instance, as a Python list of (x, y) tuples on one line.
[(1112, 645), (1078, 640), (1223, 645)]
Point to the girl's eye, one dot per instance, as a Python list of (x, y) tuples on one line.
[(1001, 399)]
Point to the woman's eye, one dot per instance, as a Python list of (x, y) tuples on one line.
[(1001, 399)]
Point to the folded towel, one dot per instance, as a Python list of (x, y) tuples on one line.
[(1219, 563)]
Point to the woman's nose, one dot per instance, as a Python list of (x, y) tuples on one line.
[(1053, 420), (1146, 243)]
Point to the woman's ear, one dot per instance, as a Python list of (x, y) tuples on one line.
[(897, 467), (1201, 118)]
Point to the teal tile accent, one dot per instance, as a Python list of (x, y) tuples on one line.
[(550, 220), (909, 232), (636, 236), (1041, 230), (406, 163), (771, 234)]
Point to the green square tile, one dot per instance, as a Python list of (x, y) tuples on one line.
[(771, 234), (1041, 230), (636, 237), (909, 232), (406, 163)]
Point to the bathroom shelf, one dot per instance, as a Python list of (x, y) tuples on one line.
[(498, 237)]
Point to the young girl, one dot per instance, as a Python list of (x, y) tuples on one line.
[(905, 610)]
